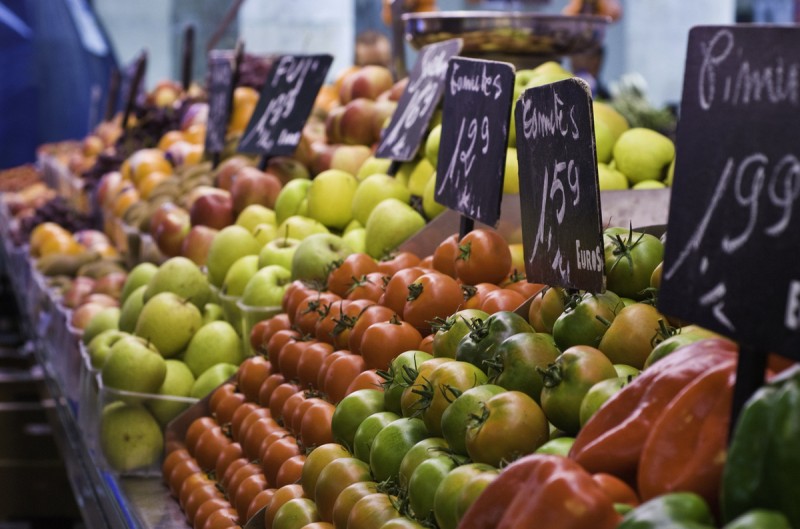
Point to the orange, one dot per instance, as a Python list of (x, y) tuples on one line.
[(149, 182), (126, 197), (169, 138), (195, 134), (244, 103), (146, 161)]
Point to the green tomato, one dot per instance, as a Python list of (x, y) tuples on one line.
[(446, 339), (424, 481), (295, 514), (560, 446), (480, 344), (367, 430), (630, 259), (445, 384), (586, 319), (351, 412), (472, 489), (445, 501), (456, 417), (391, 445), (423, 450), (598, 395), (516, 359), (400, 376)]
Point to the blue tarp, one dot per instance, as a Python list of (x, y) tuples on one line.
[(55, 64)]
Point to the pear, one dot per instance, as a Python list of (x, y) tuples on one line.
[(231, 243), (211, 378), (239, 274), (643, 154), (104, 320), (609, 179), (431, 208), (215, 343), (177, 383), (432, 145), (131, 309), (372, 190), (419, 177), (168, 322), (373, 166), (389, 224), (130, 437), (604, 142), (132, 365), (356, 239), (139, 276), (605, 113), (511, 172), (313, 258), (100, 346), (212, 312), (180, 276)]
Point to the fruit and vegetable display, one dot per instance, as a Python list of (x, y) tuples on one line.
[(279, 359)]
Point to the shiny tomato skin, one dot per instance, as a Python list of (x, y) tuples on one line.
[(445, 500), (334, 478), (391, 444), (444, 384), (296, 513), (367, 430), (315, 429), (401, 368), (430, 296), (227, 407), (282, 496), (276, 343), (372, 314), (368, 287), (340, 374), (372, 511), (276, 455), (348, 497), (382, 342), (397, 262), (457, 416), (368, 379), (317, 460), (502, 299), (263, 331), (290, 471), (340, 278), (445, 254), (475, 294), (251, 374), (351, 411), (310, 309), (309, 365), (396, 291), (483, 257), (268, 386)]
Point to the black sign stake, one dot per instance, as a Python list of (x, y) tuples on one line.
[(474, 140), (559, 199), (284, 105), (410, 120), (188, 57), (733, 231), (134, 87), (113, 95)]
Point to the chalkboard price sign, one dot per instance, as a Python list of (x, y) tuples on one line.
[(733, 234), (559, 198), (472, 148), (220, 85), (284, 105), (410, 120)]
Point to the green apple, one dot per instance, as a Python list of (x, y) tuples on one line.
[(544, 77), (354, 225), (313, 257), (604, 142), (211, 378), (180, 276), (389, 224), (670, 173), (432, 145), (130, 437), (177, 383), (104, 320), (231, 243), (608, 115), (279, 251), (265, 233), (139, 276), (403, 174), (649, 184), (212, 312), (266, 287), (100, 346), (609, 179), (511, 174), (133, 365), (643, 154), (131, 309), (291, 198), (372, 190), (239, 274), (297, 227), (168, 322), (419, 177), (356, 239), (373, 166), (431, 208), (330, 198), (215, 343), (255, 214)]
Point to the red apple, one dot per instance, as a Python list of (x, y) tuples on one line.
[(356, 126), (395, 92), (82, 315), (251, 186), (383, 111), (287, 168), (91, 238), (81, 287), (101, 299), (211, 207), (169, 226), (228, 169), (196, 244), (321, 155), (110, 184), (368, 82), (333, 125), (110, 284)]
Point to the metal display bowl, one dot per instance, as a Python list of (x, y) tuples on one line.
[(496, 34)]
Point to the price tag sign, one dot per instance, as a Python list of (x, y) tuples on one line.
[(472, 149), (220, 85), (559, 199), (284, 105), (410, 120), (733, 235)]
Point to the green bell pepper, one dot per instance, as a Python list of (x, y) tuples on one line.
[(676, 510)]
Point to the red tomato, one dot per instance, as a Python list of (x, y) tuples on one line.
[(289, 357), (444, 257), (315, 428), (259, 501), (475, 294), (308, 311), (523, 287), (246, 491), (616, 489), (241, 474), (329, 316), (276, 455), (281, 496), (218, 394), (278, 399), (396, 291), (296, 292), (426, 344), (370, 315), (290, 408), (180, 471), (297, 418), (369, 379), (383, 342), (196, 429), (251, 442), (347, 318), (310, 363), (239, 415), (251, 374), (171, 461), (228, 455), (228, 406), (291, 470), (263, 331), (433, 295), (369, 286), (247, 422), (502, 299), (427, 263), (222, 519), (269, 385), (229, 473), (276, 343), (207, 509), (326, 364), (192, 484), (340, 374), (483, 257), (341, 278), (397, 262), (334, 478), (317, 460)]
